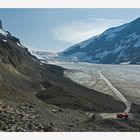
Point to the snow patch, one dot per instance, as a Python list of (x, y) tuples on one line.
[(4, 40), (3, 32), (137, 44), (125, 63), (102, 54), (133, 36), (112, 32)]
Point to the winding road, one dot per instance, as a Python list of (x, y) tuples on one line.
[(118, 94)]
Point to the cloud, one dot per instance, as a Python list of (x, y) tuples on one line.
[(75, 32)]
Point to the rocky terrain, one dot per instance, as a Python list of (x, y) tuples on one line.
[(37, 97)]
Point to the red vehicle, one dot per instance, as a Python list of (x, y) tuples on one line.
[(122, 115)]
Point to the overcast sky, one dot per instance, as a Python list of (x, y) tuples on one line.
[(58, 29)]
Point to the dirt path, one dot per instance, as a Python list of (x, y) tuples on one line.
[(117, 92)]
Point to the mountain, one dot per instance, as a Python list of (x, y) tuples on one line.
[(37, 97), (118, 45)]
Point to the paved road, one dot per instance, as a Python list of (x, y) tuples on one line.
[(115, 90)]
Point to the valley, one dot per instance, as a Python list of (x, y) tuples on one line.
[(125, 78), (84, 88)]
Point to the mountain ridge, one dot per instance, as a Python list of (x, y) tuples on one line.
[(117, 45)]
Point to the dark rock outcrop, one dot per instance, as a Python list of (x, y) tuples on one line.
[(1, 24), (135, 108)]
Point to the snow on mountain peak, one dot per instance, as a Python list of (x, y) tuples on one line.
[(113, 32), (116, 45), (3, 32)]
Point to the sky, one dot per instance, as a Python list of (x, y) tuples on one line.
[(57, 29)]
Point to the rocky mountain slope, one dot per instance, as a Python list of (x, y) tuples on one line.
[(36, 97)]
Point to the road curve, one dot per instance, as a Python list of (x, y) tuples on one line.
[(116, 91)]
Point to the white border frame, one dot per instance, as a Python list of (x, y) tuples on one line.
[(70, 3)]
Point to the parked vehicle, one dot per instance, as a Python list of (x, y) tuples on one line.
[(122, 115)]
